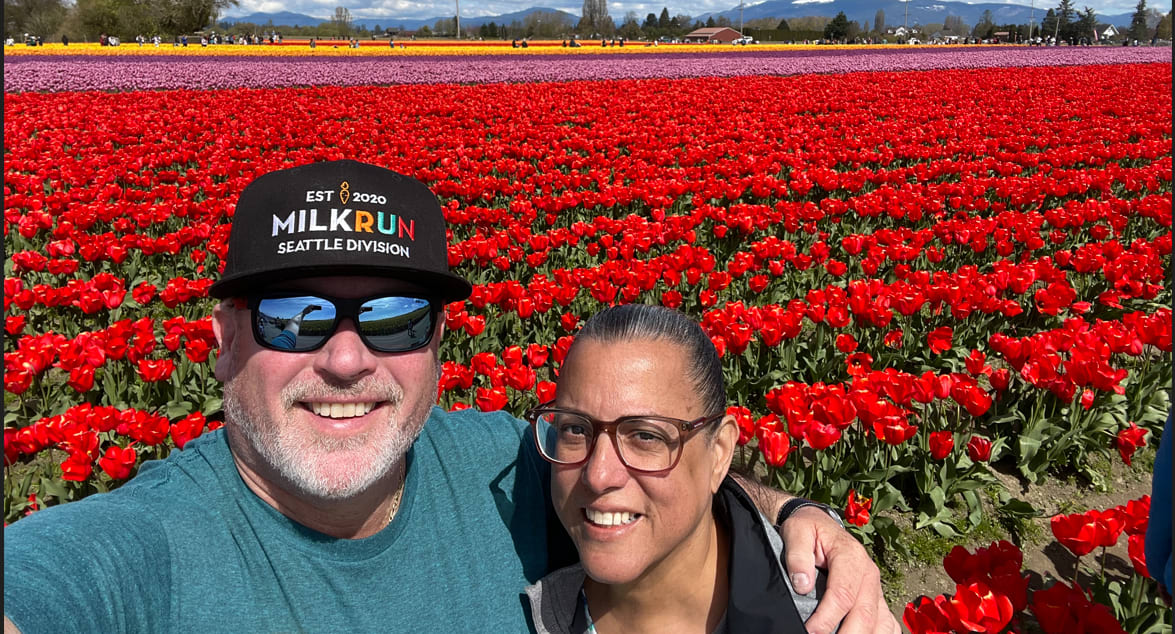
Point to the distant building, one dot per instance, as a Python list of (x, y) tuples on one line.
[(718, 34), (1110, 32)]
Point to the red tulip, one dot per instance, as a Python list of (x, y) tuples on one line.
[(1136, 548), (1061, 609), (941, 444), (857, 510), (775, 446), (927, 616), (77, 467), (979, 449), (152, 370), (187, 428), (1130, 440), (939, 339), (1137, 514), (1078, 532), (846, 343), (537, 354), (118, 462), (491, 399), (975, 608), (545, 390)]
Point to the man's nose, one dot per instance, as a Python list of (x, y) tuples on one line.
[(345, 356)]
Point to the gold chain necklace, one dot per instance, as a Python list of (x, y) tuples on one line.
[(399, 492)]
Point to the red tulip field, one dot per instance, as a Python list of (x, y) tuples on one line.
[(918, 280)]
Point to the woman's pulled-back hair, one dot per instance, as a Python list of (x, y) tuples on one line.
[(635, 322)]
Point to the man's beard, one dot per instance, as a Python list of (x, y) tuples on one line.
[(323, 467)]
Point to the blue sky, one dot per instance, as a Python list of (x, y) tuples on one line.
[(470, 8)]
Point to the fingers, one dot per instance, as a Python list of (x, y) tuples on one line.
[(861, 598), (799, 533), (853, 600), (888, 621)]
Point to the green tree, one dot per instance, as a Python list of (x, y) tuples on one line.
[(710, 22), (630, 29), (650, 24), (36, 17), (1065, 28), (783, 26), (985, 26), (1048, 24), (838, 29), (341, 21), (1163, 30), (954, 25), (594, 14), (1086, 24), (879, 21), (1138, 30), (663, 20)]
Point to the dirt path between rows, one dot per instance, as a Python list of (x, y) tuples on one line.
[(1045, 560)]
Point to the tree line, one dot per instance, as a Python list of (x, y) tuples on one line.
[(87, 19)]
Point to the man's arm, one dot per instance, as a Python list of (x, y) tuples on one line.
[(9, 628), (813, 538)]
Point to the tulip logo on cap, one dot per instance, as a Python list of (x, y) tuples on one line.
[(344, 192)]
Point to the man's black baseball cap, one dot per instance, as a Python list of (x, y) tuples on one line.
[(338, 218)]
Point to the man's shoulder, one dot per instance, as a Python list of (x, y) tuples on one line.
[(470, 427), (162, 489)]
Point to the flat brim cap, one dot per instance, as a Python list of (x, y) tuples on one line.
[(338, 218)]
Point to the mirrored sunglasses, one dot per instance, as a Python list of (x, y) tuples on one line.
[(303, 322)]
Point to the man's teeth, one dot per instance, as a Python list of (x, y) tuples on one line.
[(341, 410), (610, 519)]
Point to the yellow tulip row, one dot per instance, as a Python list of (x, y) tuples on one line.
[(327, 48)]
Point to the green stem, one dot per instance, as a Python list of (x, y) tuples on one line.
[(1102, 572)]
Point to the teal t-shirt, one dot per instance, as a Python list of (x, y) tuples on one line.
[(186, 546)]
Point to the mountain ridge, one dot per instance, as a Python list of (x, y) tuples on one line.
[(921, 12)]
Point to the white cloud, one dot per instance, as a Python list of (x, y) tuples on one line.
[(810, 1)]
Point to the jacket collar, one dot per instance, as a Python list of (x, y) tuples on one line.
[(760, 599)]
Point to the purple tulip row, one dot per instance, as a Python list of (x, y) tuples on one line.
[(71, 73)]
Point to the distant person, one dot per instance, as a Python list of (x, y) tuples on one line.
[(64, 40)]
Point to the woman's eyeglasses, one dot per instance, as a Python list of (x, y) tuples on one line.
[(649, 444)]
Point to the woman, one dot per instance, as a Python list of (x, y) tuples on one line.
[(640, 447)]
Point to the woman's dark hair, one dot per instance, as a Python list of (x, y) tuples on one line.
[(634, 322)]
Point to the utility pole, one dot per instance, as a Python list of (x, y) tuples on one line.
[(1031, 19), (458, 19), (906, 22), (740, 18)]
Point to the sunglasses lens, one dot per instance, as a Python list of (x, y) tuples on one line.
[(296, 324), (396, 324)]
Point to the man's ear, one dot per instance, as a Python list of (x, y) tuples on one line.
[(224, 327), (722, 448)]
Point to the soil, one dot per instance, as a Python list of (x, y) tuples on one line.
[(1045, 560)]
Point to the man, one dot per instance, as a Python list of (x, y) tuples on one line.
[(327, 503)]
